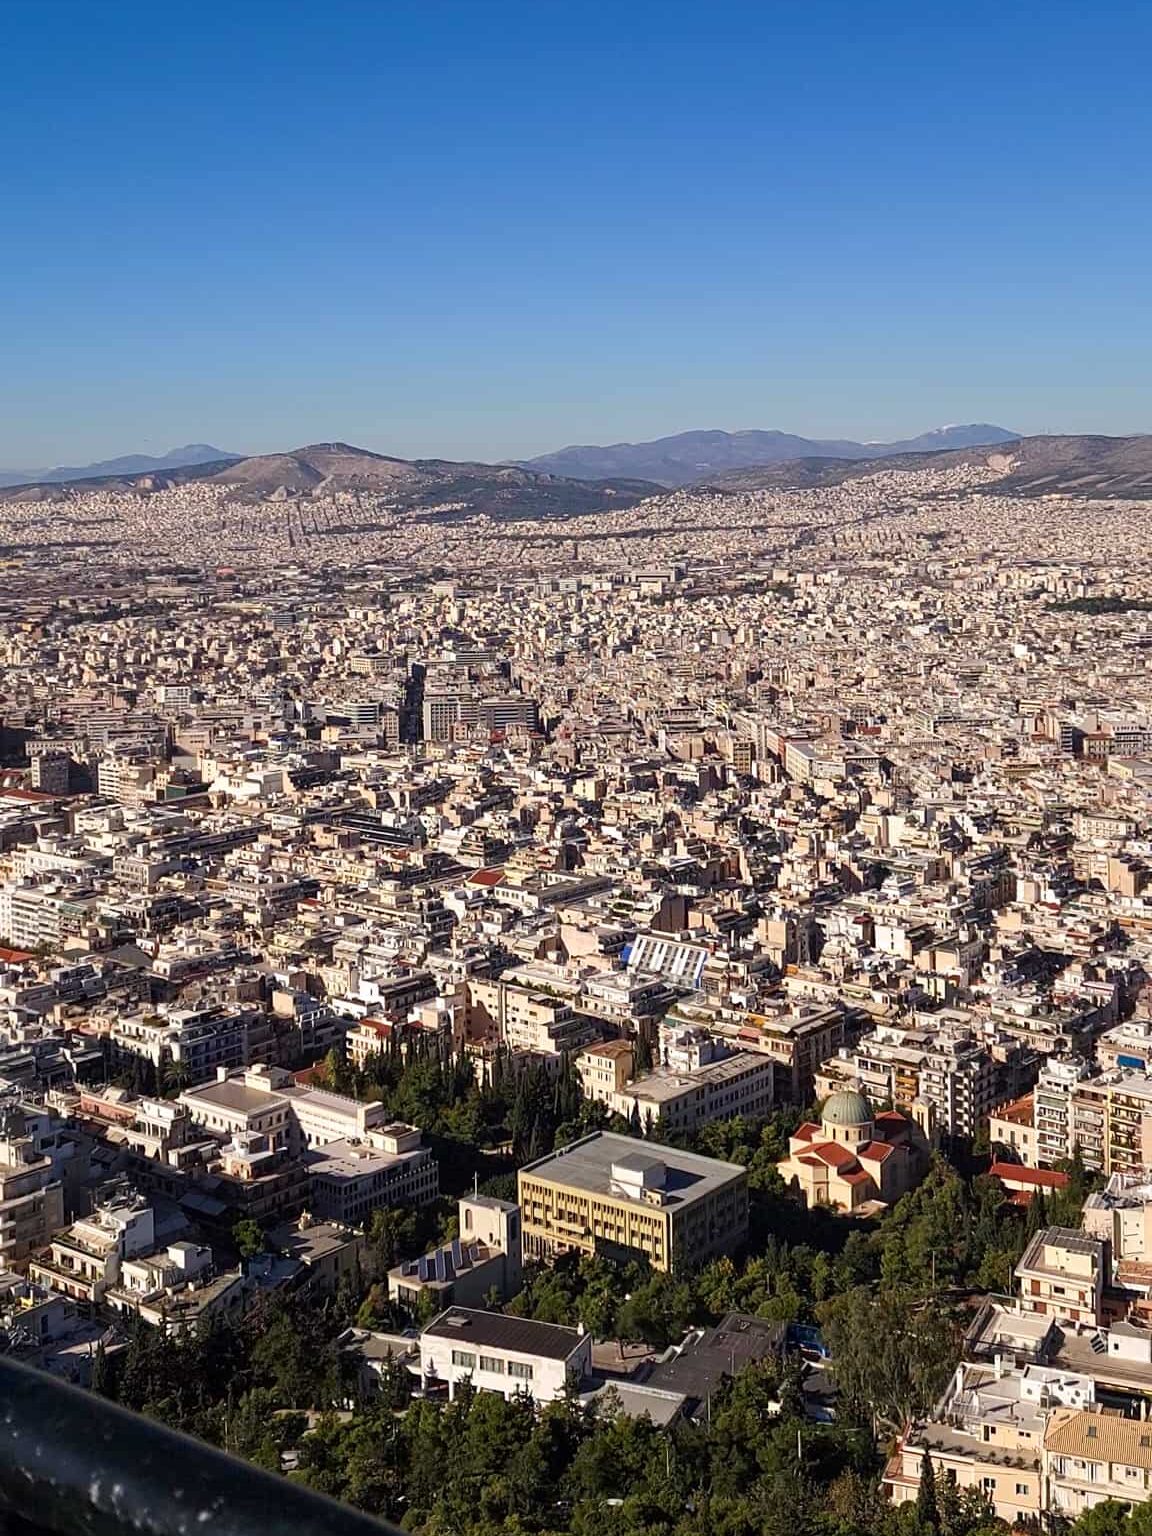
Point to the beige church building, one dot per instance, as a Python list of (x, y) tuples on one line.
[(855, 1159)]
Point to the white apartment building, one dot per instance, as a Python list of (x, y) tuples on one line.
[(349, 1178), (268, 1101)]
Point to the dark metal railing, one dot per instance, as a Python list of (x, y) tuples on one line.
[(75, 1465)]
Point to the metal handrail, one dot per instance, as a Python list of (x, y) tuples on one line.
[(72, 1464)]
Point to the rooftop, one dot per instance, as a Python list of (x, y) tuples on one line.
[(587, 1164), (474, 1328), (231, 1095)]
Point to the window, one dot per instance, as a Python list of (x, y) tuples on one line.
[(464, 1358), (1021, 1487), (521, 1372), (492, 1363), (988, 1484)]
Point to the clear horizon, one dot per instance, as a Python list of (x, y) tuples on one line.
[(228, 448), (443, 230)]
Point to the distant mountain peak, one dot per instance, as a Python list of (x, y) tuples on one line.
[(691, 457), (128, 464)]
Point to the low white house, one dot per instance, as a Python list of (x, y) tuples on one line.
[(497, 1353)]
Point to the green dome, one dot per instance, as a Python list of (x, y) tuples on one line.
[(847, 1108)]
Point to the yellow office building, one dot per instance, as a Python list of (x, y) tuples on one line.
[(625, 1198)]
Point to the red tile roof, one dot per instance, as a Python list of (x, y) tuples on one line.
[(488, 877), (1016, 1175), (834, 1155), (1019, 1112)]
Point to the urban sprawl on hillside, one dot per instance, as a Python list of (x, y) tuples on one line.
[(541, 1024)]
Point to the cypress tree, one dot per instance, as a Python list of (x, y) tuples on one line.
[(926, 1509)]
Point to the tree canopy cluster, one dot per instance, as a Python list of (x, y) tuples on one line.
[(887, 1296)]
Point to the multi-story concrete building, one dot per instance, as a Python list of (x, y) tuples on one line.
[(389, 1166), (1063, 1274), (959, 1079), (988, 1433), (620, 1196), (268, 1101), (720, 1084), (31, 1194), (1091, 1456)]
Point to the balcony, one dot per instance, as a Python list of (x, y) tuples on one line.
[(73, 1465)]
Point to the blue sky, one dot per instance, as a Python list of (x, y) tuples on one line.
[(489, 229)]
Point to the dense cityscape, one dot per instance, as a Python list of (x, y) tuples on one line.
[(635, 1020)]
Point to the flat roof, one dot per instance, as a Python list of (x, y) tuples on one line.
[(496, 1330), (587, 1164), (333, 1103), (347, 1159), (666, 1083), (638, 1401), (232, 1095), (1072, 1239)]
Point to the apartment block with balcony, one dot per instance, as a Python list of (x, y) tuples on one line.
[(31, 1195), (1091, 1456), (988, 1432), (1063, 1274)]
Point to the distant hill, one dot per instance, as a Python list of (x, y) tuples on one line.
[(1073, 466), (501, 490), (130, 464), (691, 457)]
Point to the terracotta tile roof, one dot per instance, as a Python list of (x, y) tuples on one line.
[(1019, 1112), (875, 1151), (487, 877), (1017, 1176), (1099, 1437), (833, 1154)]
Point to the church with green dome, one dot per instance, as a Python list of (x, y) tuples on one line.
[(856, 1159)]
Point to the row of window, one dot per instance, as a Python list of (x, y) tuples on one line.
[(466, 1360)]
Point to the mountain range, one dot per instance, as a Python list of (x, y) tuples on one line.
[(680, 460), (130, 464), (419, 486), (1071, 466), (1118, 468), (691, 457)]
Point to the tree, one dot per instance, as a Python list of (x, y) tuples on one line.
[(1109, 1518), (926, 1508), (249, 1238), (177, 1076), (100, 1382), (890, 1356)]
